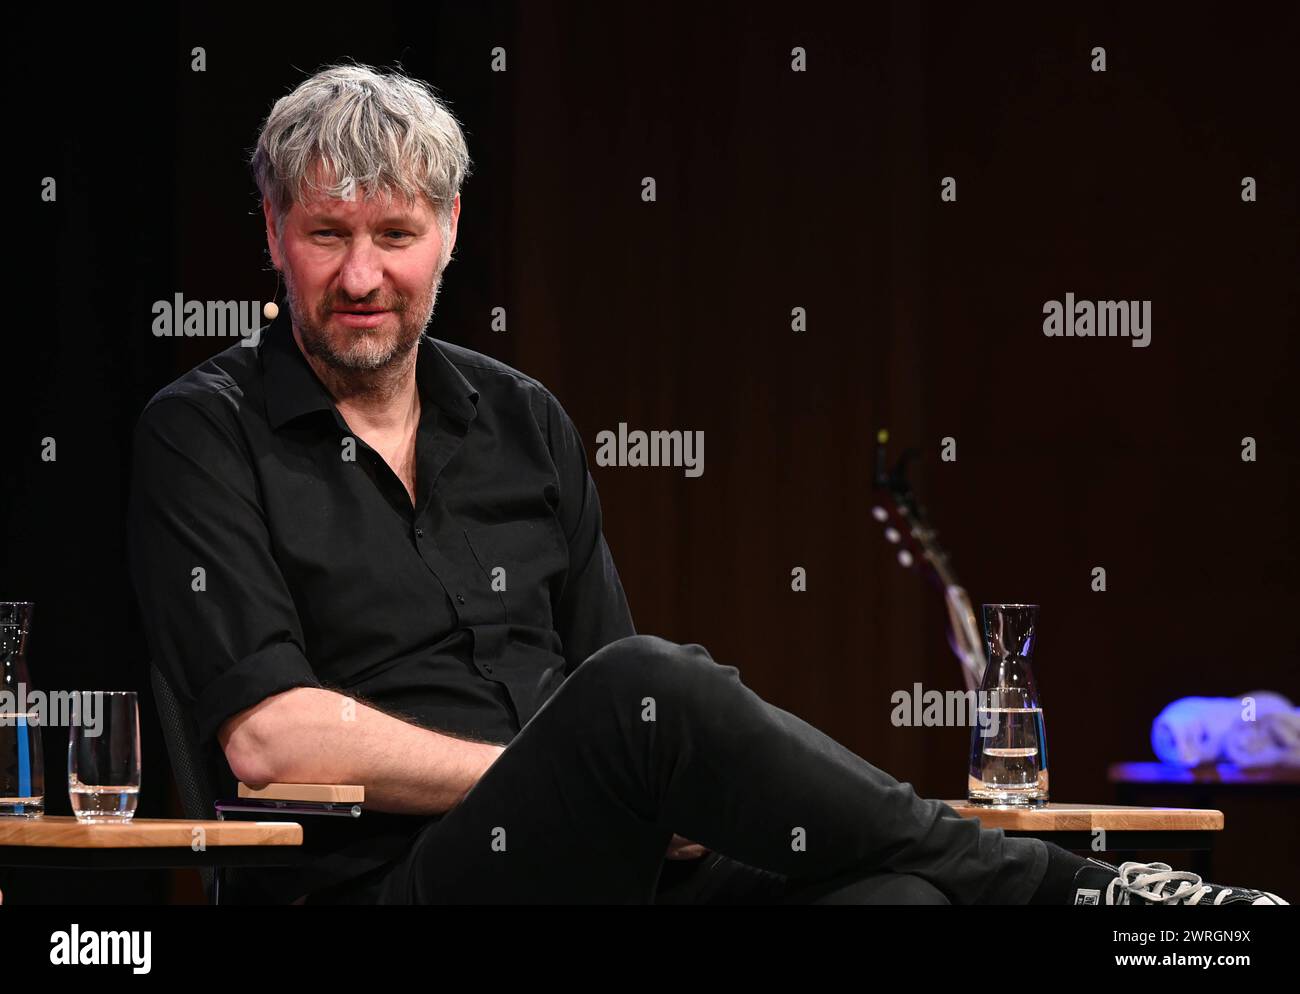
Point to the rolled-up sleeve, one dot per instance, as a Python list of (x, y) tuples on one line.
[(218, 616), (592, 609)]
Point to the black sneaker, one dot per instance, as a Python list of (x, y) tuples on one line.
[(1156, 883)]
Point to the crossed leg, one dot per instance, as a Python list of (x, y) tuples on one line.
[(648, 737)]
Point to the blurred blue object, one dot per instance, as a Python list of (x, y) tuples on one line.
[(1260, 728)]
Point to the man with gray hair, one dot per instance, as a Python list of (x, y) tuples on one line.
[(367, 556)]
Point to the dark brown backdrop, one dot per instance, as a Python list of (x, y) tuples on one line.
[(775, 190)]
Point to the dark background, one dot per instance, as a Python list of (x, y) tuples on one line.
[(776, 189)]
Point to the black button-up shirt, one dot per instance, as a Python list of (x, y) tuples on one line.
[(272, 548)]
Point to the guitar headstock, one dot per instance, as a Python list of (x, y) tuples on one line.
[(904, 519), (907, 527)]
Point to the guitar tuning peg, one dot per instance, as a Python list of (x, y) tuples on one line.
[(879, 513), (904, 557), (892, 534)]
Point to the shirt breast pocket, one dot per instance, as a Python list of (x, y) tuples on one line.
[(522, 563)]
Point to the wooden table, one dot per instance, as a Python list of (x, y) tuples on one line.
[(1256, 797), (1119, 829), (61, 842)]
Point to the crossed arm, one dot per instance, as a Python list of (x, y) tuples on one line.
[(303, 736), (314, 735)]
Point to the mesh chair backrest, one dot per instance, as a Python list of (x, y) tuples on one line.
[(181, 734)]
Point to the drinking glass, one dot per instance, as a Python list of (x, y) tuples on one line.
[(104, 755), (1008, 759), (22, 764)]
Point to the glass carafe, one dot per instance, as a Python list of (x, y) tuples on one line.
[(1008, 759), (22, 767)]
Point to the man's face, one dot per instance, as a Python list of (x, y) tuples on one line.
[(362, 275)]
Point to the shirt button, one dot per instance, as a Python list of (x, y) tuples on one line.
[(488, 667), (460, 598), (419, 533)]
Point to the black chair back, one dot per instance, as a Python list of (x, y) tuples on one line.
[(181, 734)]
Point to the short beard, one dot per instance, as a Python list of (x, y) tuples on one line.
[(371, 349)]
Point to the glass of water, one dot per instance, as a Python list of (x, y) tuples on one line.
[(1008, 759), (104, 755), (22, 767)]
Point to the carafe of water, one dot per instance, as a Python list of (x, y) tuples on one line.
[(22, 767), (1008, 759)]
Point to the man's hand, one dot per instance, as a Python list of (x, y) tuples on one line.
[(679, 848)]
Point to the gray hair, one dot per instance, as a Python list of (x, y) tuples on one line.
[(385, 133)]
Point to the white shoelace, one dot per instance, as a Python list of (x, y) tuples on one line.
[(1150, 880)]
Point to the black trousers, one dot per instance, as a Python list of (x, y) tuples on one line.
[(648, 738)]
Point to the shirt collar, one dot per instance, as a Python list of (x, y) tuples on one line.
[(293, 388)]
